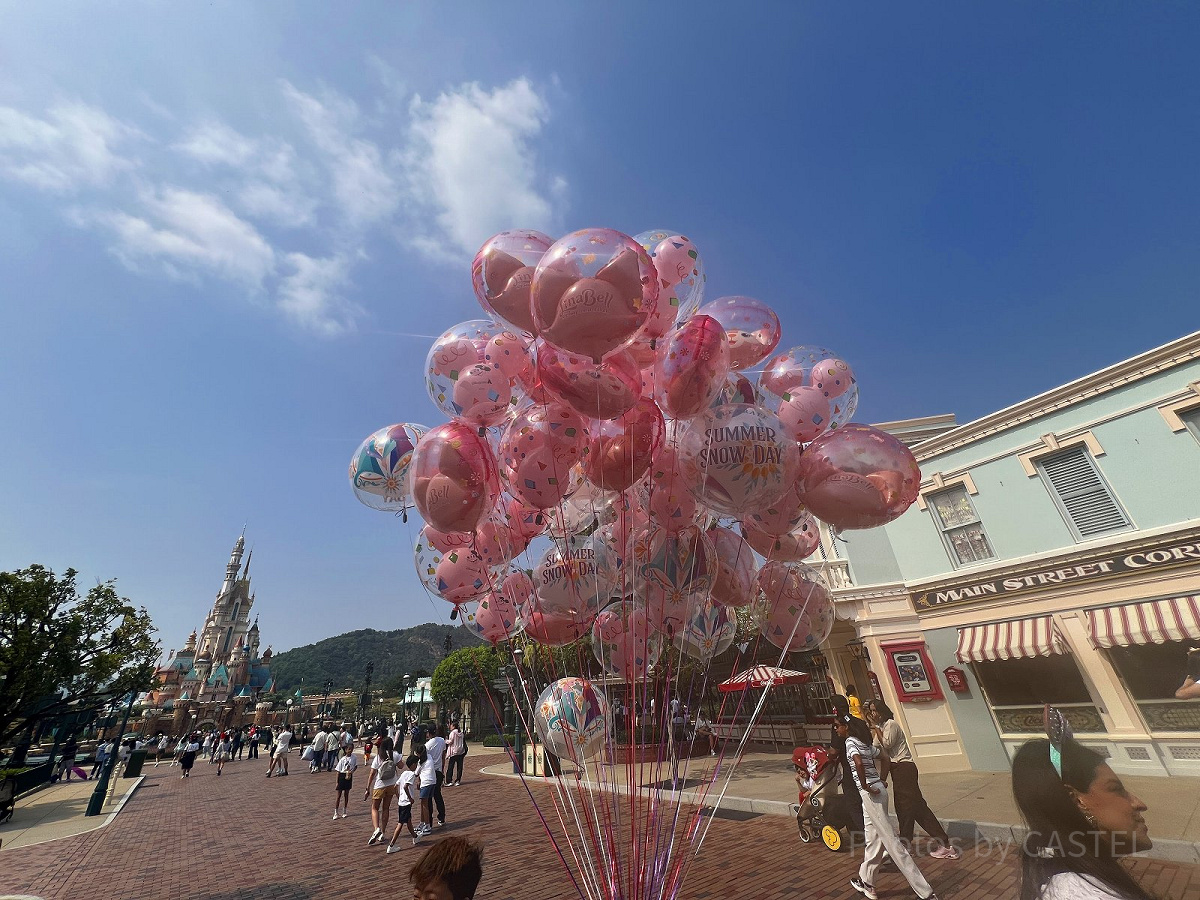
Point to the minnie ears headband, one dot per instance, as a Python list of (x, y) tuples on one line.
[(1058, 730)]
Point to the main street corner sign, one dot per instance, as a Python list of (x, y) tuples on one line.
[(1164, 557)]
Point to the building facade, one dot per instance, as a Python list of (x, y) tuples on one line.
[(1053, 557)]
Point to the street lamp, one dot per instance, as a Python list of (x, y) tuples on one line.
[(288, 721), (407, 679), (325, 699), (421, 713)]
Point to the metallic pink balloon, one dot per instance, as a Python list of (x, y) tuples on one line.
[(502, 274), (622, 641), (691, 367), (665, 493), (593, 292), (538, 451), (797, 544), (602, 391), (454, 477), (858, 477), (620, 451), (752, 327), (733, 584)]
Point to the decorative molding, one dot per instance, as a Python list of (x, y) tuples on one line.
[(1168, 356), (1171, 412), (1052, 443), (938, 482)]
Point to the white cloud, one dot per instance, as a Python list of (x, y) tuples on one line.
[(283, 207), (364, 189), (73, 147), (215, 143), (184, 232), (312, 294), (473, 168)]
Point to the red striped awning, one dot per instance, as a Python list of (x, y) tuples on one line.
[(1148, 622), (1017, 639), (761, 676)]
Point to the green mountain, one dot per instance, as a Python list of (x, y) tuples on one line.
[(343, 659)]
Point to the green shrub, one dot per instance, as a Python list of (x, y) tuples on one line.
[(497, 740)]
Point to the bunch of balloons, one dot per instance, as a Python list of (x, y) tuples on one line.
[(627, 462)]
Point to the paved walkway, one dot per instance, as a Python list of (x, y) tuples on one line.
[(244, 837), (57, 811)]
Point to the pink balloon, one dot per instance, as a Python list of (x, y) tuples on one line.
[(602, 391), (538, 451), (680, 278), (810, 390), (567, 580), (502, 274), (475, 372), (556, 631), (858, 477), (804, 412), (454, 477), (796, 545), (832, 377), (525, 522), (622, 641), (691, 366), (456, 575), (510, 354), (620, 451), (787, 592), (779, 517), (673, 572), (666, 494), (498, 614), (737, 458), (593, 292), (751, 326), (733, 584)]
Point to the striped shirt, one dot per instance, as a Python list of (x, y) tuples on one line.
[(868, 753)]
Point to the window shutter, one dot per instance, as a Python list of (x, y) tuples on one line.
[(1083, 494)]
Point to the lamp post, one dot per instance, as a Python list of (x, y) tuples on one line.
[(407, 679), (287, 722), (325, 699), (421, 712), (96, 801)]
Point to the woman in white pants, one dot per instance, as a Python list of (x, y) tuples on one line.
[(881, 837)]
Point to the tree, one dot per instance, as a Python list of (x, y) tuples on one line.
[(61, 652), (464, 674)]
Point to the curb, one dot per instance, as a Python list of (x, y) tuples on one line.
[(964, 830), (107, 819)]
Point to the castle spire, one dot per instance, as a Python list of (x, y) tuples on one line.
[(246, 571), (235, 562)]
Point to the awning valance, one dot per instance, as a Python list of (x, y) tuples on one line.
[(1018, 639), (761, 676), (1149, 622)]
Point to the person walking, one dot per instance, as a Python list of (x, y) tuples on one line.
[(427, 782), (253, 751), (882, 840), (163, 743), (911, 808), (222, 753), (381, 787), (436, 748), (408, 794), (67, 763), (188, 758), (333, 746), (235, 750), (456, 749), (207, 745), (279, 758), (345, 767), (853, 703), (838, 757), (101, 756), (316, 752)]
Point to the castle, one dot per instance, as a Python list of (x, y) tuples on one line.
[(218, 677)]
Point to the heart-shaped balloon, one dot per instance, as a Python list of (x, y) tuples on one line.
[(502, 275)]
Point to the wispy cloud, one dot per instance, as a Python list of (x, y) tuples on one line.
[(73, 147), (312, 293), (472, 168)]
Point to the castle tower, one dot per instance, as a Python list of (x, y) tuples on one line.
[(228, 624)]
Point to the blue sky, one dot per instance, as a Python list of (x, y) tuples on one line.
[(218, 224)]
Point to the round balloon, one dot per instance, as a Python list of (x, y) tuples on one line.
[(567, 580), (474, 372), (797, 544), (737, 458), (691, 366), (858, 477), (593, 292), (454, 477), (673, 573), (524, 522), (733, 582), (622, 641), (602, 391), (554, 630), (572, 718), (538, 451), (751, 326), (620, 451), (708, 632), (457, 574), (578, 512), (379, 468), (779, 517), (502, 275), (811, 390), (786, 593), (680, 277)]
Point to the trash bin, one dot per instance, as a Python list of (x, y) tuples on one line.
[(133, 768)]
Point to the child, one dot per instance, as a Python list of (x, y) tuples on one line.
[(452, 869), (408, 793), (222, 754), (345, 767)]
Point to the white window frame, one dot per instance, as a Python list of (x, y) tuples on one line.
[(1191, 421), (1058, 502), (945, 530)]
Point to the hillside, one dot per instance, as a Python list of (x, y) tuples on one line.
[(343, 659)]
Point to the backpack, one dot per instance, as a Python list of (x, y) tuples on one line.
[(387, 771)]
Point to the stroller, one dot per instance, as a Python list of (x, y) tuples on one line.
[(821, 810), (8, 791)]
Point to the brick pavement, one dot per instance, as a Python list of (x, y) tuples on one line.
[(244, 836)]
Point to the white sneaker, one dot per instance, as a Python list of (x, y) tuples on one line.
[(376, 836), (419, 835), (335, 815), (342, 814), (392, 848)]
